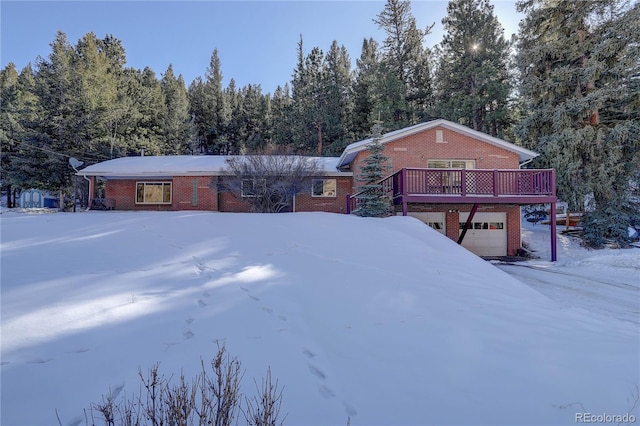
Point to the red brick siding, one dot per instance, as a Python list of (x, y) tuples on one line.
[(183, 186), (417, 149), (306, 203), (124, 194)]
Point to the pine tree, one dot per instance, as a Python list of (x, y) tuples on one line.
[(365, 98), (310, 100), (579, 78), (406, 77), (473, 80), (339, 107), (282, 117), (176, 113), (372, 199), (216, 112)]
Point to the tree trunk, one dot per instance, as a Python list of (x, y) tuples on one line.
[(319, 139)]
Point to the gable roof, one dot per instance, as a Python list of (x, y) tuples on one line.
[(350, 152), (180, 165)]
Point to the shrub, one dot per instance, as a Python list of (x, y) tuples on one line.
[(211, 398)]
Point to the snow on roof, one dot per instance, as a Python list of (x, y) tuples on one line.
[(180, 165), (352, 150)]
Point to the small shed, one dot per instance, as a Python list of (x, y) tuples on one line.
[(36, 198)]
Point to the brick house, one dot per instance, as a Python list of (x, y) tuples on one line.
[(465, 184)]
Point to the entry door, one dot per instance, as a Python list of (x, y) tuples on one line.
[(487, 235)]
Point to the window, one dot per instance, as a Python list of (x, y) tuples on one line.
[(451, 164), (253, 187), (153, 192), (323, 188), (491, 226), (439, 136)]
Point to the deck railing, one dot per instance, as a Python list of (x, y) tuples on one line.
[(432, 183)]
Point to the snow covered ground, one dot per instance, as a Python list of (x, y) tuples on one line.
[(604, 282), (383, 321)]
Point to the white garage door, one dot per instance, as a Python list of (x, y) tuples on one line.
[(487, 235), (433, 219)]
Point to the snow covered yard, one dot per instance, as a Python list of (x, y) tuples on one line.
[(383, 321)]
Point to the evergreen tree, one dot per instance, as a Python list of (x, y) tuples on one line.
[(579, 77), (144, 109), (216, 112), (365, 97), (473, 80), (197, 104), (97, 108), (310, 101), (406, 77), (176, 113), (339, 106), (372, 199), (44, 160), (282, 117), (11, 130)]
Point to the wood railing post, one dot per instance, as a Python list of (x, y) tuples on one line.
[(348, 209), (496, 191), (463, 182)]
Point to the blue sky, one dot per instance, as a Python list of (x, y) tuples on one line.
[(256, 40)]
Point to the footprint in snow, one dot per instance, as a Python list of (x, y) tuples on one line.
[(188, 334), (202, 303), (40, 360), (317, 372), (326, 392)]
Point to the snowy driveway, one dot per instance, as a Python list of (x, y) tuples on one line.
[(616, 296), (604, 282)]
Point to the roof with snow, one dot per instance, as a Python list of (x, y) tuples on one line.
[(350, 152), (182, 165)]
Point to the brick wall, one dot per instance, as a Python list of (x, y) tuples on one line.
[(304, 201), (187, 193), (415, 150)]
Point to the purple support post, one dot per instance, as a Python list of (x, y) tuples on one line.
[(554, 256), (405, 210), (496, 192), (348, 210), (463, 182)]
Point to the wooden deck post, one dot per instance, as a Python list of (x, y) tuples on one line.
[(468, 222), (554, 256), (348, 209)]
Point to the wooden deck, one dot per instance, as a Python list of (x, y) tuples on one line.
[(475, 186)]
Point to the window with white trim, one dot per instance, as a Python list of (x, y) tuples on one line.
[(253, 187), (323, 188), (451, 164), (153, 192)]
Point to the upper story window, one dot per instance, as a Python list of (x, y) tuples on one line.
[(439, 136), (323, 188), (451, 164), (153, 192)]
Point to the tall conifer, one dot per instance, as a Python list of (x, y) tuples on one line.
[(579, 74)]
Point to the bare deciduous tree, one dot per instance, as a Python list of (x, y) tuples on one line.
[(270, 180)]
